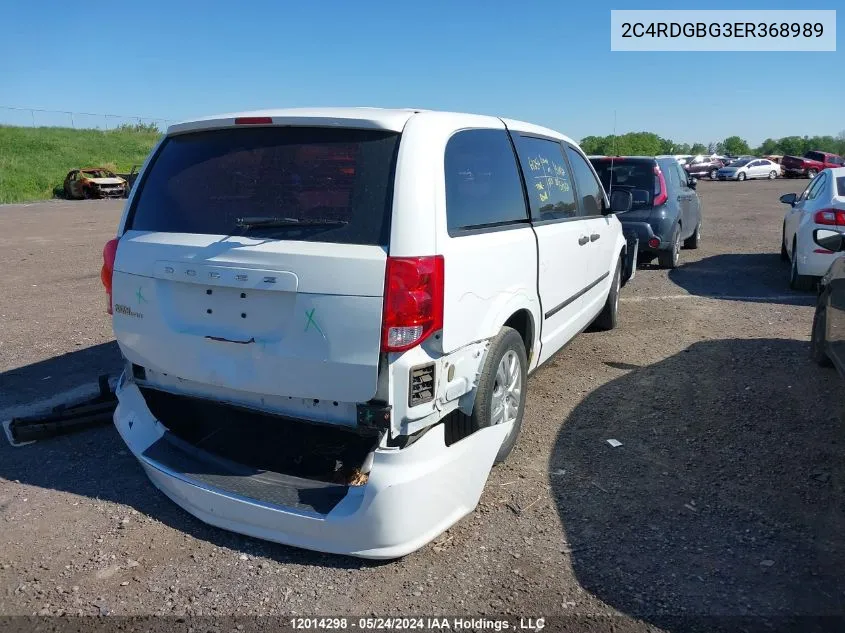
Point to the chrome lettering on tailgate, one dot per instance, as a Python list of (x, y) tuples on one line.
[(216, 275)]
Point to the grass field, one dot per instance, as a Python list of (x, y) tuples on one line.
[(35, 160)]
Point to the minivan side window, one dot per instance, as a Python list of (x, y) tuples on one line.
[(590, 191), (547, 178), (483, 188)]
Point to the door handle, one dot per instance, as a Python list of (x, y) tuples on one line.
[(583, 240), (594, 237), (680, 198)]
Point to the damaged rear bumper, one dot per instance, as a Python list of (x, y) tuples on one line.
[(412, 494)]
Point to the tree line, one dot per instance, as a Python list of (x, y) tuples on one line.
[(650, 144)]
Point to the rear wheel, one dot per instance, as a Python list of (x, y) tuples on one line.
[(811, 173), (500, 398), (740, 176), (796, 281), (713, 174), (817, 338), (694, 241), (608, 318), (669, 259), (773, 174)]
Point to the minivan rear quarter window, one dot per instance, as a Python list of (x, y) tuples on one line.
[(336, 182), (483, 188)]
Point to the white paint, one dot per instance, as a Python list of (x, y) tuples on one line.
[(799, 222)]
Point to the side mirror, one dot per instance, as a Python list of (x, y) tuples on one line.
[(621, 201), (693, 183), (789, 198), (829, 240)]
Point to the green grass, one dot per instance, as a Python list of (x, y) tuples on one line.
[(35, 160)]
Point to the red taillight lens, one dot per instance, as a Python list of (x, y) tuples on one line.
[(830, 217), (253, 120), (654, 243), (107, 271), (413, 301), (660, 194)]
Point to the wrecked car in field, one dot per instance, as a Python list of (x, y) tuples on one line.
[(93, 182)]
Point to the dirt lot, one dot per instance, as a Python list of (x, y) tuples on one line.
[(724, 499)]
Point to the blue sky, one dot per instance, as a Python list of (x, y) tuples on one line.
[(548, 62)]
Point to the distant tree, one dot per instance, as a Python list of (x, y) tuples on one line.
[(769, 146), (593, 145), (792, 146), (736, 146), (712, 148), (698, 148)]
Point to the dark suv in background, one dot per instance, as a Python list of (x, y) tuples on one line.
[(701, 166), (666, 211)]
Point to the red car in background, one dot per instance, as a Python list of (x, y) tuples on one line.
[(701, 166), (810, 164)]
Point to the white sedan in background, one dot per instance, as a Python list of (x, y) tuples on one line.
[(820, 206), (748, 168)]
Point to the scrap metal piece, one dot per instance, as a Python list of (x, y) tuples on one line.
[(64, 419)]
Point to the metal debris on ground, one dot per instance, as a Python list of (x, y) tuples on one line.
[(64, 419), (614, 443)]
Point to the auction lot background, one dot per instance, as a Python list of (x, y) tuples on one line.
[(724, 499)]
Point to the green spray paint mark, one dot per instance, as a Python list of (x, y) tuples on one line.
[(311, 321), (139, 296)]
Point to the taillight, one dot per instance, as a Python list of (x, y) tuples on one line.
[(660, 194), (107, 271), (832, 217), (253, 120), (413, 301)]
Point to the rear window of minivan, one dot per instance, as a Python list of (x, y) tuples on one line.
[(337, 182)]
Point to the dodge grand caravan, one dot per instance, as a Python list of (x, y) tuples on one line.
[(328, 316)]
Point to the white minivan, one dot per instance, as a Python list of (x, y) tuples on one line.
[(329, 315)]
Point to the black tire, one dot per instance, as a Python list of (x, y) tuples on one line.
[(817, 337), (669, 259), (740, 176), (608, 318), (773, 174), (507, 340), (694, 240), (644, 257), (796, 281), (713, 174), (784, 254), (86, 193), (812, 173)]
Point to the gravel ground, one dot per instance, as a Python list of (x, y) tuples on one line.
[(724, 498)]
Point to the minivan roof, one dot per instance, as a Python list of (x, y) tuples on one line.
[(390, 119)]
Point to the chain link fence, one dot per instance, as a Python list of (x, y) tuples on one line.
[(37, 117)]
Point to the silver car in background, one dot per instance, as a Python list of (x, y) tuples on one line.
[(748, 168)]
